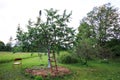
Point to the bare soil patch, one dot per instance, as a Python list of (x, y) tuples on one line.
[(44, 72)]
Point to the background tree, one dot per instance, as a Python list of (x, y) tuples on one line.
[(84, 47), (23, 42), (97, 31), (104, 21), (8, 46), (100, 26), (2, 46)]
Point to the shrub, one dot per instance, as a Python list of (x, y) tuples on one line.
[(114, 46), (67, 58), (103, 52), (116, 50)]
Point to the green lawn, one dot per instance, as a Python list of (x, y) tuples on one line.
[(9, 56), (94, 71)]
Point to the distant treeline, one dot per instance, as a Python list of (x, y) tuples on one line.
[(5, 47)]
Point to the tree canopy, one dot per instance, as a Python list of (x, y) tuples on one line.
[(2, 46), (51, 33), (97, 32), (103, 23)]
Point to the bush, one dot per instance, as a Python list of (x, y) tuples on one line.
[(116, 50), (114, 45), (67, 58)]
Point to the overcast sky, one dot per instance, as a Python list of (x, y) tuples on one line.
[(14, 12)]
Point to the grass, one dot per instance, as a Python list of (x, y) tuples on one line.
[(94, 71), (9, 56)]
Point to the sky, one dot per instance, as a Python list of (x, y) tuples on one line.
[(14, 12)]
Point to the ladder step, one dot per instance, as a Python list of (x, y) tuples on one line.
[(54, 66), (52, 60), (51, 57)]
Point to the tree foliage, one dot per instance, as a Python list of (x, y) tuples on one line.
[(2, 46), (114, 46), (8, 47), (96, 30), (84, 47), (51, 33), (104, 23)]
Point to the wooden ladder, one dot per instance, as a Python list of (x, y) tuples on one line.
[(53, 63)]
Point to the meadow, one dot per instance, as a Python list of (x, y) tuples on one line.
[(94, 71)]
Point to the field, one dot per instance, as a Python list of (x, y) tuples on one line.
[(94, 71)]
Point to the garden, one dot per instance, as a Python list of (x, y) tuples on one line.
[(51, 50), (95, 70)]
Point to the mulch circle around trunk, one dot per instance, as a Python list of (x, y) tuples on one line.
[(44, 72)]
